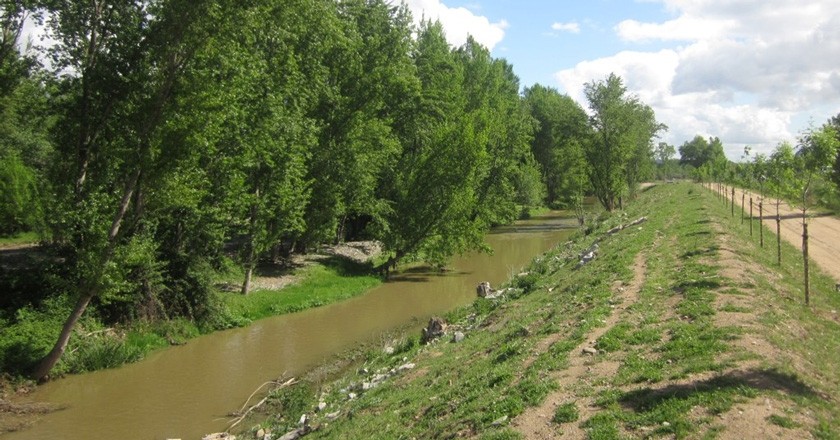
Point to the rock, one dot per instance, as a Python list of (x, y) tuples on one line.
[(366, 386), (458, 337), (351, 396), (434, 330), (261, 434), (590, 350), (483, 289), (322, 406), (296, 434), (219, 436), (406, 367), (388, 350), (333, 415), (666, 424), (302, 421), (500, 421)]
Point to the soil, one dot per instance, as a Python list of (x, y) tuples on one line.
[(823, 230), (275, 277), (536, 423)]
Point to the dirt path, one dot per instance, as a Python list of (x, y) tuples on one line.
[(823, 230), (535, 423)]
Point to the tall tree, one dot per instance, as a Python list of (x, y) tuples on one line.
[(624, 128), (118, 63), (562, 130), (373, 88), (431, 193)]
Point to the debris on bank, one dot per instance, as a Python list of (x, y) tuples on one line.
[(590, 253)]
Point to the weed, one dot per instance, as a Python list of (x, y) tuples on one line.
[(566, 413), (783, 421)]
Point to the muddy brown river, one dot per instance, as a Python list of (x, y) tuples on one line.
[(187, 391)]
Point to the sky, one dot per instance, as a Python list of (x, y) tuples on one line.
[(750, 72)]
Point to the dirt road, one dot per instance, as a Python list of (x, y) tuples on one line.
[(823, 230)]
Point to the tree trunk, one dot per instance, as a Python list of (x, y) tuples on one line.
[(90, 289), (751, 215), (246, 285), (48, 362), (743, 195), (761, 222), (778, 235), (805, 258), (733, 201)]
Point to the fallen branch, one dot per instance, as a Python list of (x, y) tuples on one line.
[(243, 413)]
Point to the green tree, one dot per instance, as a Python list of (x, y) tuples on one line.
[(562, 130), (431, 193), (364, 116), (620, 150), (117, 64)]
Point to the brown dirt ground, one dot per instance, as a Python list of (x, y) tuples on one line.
[(535, 423), (823, 230)]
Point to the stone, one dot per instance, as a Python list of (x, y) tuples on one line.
[(261, 433), (388, 350), (333, 415), (590, 350), (500, 421), (458, 337), (219, 436), (434, 330), (406, 367), (296, 434), (483, 289), (302, 420), (351, 396), (322, 406)]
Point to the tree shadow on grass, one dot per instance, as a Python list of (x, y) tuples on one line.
[(646, 399), (697, 284), (711, 250)]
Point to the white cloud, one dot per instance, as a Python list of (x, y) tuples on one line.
[(744, 71), (572, 27), (459, 22)]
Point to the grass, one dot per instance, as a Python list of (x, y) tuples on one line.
[(27, 336), (676, 365), (19, 238), (319, 285)]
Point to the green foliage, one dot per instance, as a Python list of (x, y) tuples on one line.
[(562, 129), (566, 413), (20, 203), (99, 352), (28, 335), (620, 153)]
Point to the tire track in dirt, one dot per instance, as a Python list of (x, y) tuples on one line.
[(536, 422)]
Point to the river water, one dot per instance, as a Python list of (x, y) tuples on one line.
[(187, 391)]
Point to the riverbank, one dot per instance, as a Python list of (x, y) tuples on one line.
[(335, 274), (679, 326)]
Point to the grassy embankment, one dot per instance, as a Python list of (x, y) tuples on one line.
[(28, 333), (698, 334)]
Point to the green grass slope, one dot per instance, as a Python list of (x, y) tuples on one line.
[(681, 327)]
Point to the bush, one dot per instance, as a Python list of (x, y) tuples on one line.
[(98, 352), (31, 334)]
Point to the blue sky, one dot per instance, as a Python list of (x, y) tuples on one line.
[(752, 72)]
